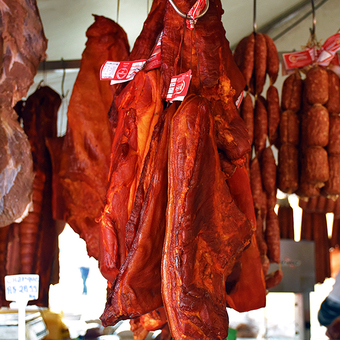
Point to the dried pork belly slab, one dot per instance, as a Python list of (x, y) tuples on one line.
[(215, 74), (205, 230), (85, 154), (139, 106), (137, 288)]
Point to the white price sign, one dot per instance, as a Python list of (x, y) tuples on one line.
[(22, 286)]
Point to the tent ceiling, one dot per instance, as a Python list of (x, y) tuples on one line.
[(65, 22)]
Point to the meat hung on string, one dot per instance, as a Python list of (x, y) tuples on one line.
[(22, 48), (178, 227), (28, 241)]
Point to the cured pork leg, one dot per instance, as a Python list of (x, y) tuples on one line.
[(137, 288), (23, 44), (85, 155), (22, 48), (205, 230), (139, 106)]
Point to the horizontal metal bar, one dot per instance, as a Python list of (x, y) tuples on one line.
[(59, 64)]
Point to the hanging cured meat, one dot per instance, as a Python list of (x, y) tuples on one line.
[(84, 159), (247, 276), (257, 57), (32, 245), (23, 45), (206, 53), (171, 230), (199, 251), (138, 112), (137, 288)]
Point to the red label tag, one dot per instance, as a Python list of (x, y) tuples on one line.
[(329, 49), (155, 60), (179, 86), (298, 59), (335, 61), (120, 71), (194, 11)]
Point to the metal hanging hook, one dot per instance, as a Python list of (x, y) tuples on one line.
[(186, 16), (312, 30), (118, 3), (254, 17)]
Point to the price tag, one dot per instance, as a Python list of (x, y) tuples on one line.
[(195, 11), (299, 59), (120, 71), (22, 286), (155, 60), (329, 49), (179, 86)]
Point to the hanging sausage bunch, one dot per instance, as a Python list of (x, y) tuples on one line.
[(309, 160), (309, 134), (309, 163), (256, 55)]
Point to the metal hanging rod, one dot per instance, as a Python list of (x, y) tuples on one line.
[(59, 65), (312, 30), (254, 17)]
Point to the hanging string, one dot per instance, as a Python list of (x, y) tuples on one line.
[(63, 80), (147, 7), (64, 103), (312, 41), (254, 17), (44, 73), (62, 113), (118, 3), (191, 49), (182, 46), (197, 56)]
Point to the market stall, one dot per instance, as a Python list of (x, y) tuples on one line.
[(173, 146)]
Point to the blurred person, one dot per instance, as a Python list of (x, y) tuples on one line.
[(329, 312)]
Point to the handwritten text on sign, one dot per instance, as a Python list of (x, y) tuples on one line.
[(22, 286)]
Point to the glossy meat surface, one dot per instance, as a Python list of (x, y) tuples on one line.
[(205, 50), (139, 106), (85, 154), (137, 288), (205, 230)]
